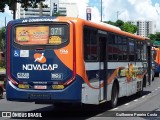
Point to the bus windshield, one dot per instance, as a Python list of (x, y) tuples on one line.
[(42, 35)]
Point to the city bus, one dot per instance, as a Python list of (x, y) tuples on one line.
[(156, 61), (64, 60)]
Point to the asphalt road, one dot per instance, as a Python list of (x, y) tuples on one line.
[(144, 107)]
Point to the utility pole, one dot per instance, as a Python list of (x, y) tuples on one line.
[(40, 9), (13, 8), (5, 22), (101, 10), (117, 14)]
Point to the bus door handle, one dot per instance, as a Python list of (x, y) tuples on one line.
[(97, 75)]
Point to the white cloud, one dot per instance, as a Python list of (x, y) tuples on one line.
[(96, 15), (124, 10), (81, 4), (7, 11), (5, 17), (131, 10)]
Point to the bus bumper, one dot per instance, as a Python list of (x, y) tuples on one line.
[(70, 94)]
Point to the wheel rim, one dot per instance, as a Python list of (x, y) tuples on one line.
[(114, 96)]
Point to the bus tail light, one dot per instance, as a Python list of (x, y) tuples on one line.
[(69, 81), (12, 81)]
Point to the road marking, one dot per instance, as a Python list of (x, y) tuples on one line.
[(156, 89), (115, 109), (99, 114), (143, 96), (136, 100), (126, 104)]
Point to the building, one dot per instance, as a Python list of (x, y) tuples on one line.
[(64, 8), (144, 27)]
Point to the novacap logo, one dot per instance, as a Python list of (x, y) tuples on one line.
[(39, 58)]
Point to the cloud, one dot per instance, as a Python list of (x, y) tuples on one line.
[(81, 6), (125, 10), (130, 10), (7, 11), (7, 15)]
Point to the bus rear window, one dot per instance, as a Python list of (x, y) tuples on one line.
[(42, 35)]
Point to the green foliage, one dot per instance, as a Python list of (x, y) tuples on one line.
[(2, 38), (2, 64), (24, 3), (110, 22), (129, 28), (119, 23), (155, 37), (125, 26)]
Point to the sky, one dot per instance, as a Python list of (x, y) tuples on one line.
[(125, 10)]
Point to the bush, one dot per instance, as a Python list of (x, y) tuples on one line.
[(2, 64)]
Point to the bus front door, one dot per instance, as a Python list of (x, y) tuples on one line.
[(102, 68)]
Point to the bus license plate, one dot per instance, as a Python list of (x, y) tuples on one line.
[(39, 96), (40, 87)]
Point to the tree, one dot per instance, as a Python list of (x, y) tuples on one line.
[(125, 26), (119, 23), (24, 3), (155, 38), (2, 38), (129, 28), (110, 22)]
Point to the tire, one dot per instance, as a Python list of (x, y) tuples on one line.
[(62, 105), (144, 82), (140, 93), (1, 93), (152, 77), (156, 74), (114, 96)]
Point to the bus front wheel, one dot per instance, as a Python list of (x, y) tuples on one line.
[(114, 96)]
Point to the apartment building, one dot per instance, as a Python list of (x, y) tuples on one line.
[(65, 8), (144, 27)]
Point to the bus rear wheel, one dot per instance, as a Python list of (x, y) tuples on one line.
[(156, 74), (1, 92), (114, 96), (62, 105)]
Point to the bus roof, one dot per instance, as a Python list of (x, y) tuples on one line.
[(106, 27), (98, 25)]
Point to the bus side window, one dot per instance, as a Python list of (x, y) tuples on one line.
[(131, 50), (90, 45), (144, 51), (112, 47), (102, 48)]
